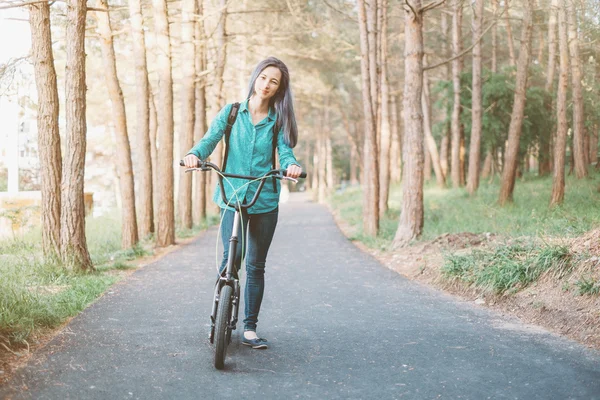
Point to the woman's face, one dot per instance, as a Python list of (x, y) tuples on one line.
[(267, 83)]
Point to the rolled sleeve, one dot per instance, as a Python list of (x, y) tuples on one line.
[(286, 154)]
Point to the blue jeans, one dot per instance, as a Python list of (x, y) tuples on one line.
[(258, 234)]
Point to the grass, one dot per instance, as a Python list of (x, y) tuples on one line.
[(509, 267), (35, 295), (454, 211), (588, 285), (513, 265)]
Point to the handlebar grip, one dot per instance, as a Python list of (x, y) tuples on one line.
[(302, 175), (182, 164)]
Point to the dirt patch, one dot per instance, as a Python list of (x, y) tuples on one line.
[(553, 302)]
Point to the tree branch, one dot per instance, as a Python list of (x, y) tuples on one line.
[(411, 9), (266, 10), (25, 3), (339, 11), (462, 53), (432, 5)]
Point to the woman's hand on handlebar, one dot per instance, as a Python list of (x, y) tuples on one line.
[(293, 171), (191, 161)]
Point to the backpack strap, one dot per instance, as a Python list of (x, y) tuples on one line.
[(273, 157), (233, 112)]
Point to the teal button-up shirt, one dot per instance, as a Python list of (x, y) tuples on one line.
[(250, 153)]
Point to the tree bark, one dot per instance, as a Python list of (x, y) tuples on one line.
[(48, 131), (186, 137), (476, 102), (153, 132), (430, 144), (370, 174), (385, 141), (494, 67), (145, 206), (457, 65), (593, 147), (315, 167), (200, 122), (446, 75), (74, 251), (560, 142), (129, 229), (509, 35), (221, 42), (579, 155), (486, 171), (411, 214), (516, 121), (329, 167), (426, 160), (221, 34), (544, 155), (165, 233), (395, 150)]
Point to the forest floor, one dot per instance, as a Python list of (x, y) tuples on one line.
[(553, 302)]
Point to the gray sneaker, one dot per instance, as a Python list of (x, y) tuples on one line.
[(257, 343)]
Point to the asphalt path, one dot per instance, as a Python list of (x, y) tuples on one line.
[(339, 324)]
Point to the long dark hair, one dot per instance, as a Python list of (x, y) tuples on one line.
[(282, 101)]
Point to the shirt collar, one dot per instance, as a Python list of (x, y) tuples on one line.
[(272, 114)]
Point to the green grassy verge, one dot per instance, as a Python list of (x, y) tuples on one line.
[(35, 295), (510, 266)]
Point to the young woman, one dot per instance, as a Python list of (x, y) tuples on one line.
[(267, 111)]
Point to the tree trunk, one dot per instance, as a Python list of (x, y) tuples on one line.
[(145, 205), (329, 167), (221, 43), (495, 38), (457, 65), (353, 165), (578, 107), (509, 36), (221, 34), (186, 137), (411, 214), (165, 233), (153, 131), (593, 148), (426, 161), (370, 174), (430, 146), (48, 131), (200, 122), (486, 171), (516, 121), (129, 229), (477, 99), (395, 150), (385, 141), (544, 154), (446, 75), (74, 249), (315, 175), (560, 142), (322, 168), (373, 35), (540, 54)]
